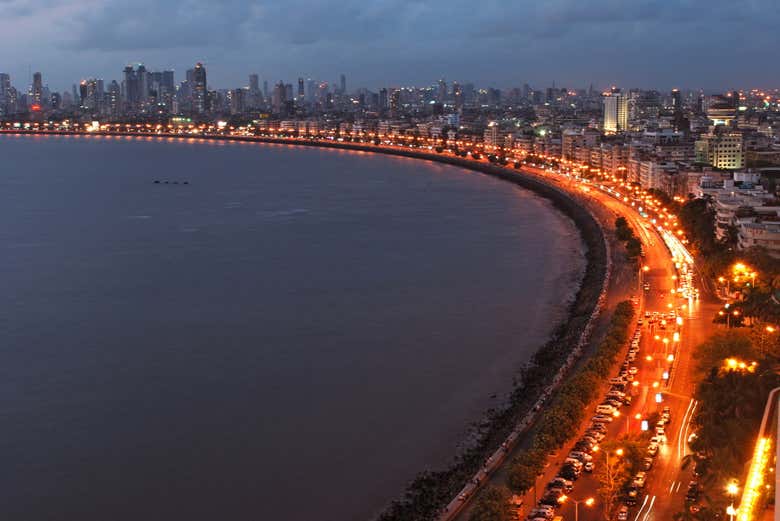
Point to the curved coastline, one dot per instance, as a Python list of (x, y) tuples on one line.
[(428, 494)]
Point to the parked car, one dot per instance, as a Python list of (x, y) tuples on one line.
[(560, 482), (639, 480), (622, 514), (588, 467), (652, 449)]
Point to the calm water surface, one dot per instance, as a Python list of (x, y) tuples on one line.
[(292, 335)]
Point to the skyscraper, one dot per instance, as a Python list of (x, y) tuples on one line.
[(343, 84), (199, 89), (37, 89), (143, 84), (615, 112), (279, 98), (5, 88), (254, 84), (301, 92)]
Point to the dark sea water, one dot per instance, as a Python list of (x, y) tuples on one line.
[(293, 335)]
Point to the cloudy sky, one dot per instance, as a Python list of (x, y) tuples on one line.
[(643, 43)]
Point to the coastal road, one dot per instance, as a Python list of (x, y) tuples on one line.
[(664, 368)]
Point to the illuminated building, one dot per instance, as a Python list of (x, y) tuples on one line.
[(200, 103), (721, 149), (37, 89), (5, 93), (615, 112), (722, 110)]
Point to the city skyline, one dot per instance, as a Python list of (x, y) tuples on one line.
[(645, 44)]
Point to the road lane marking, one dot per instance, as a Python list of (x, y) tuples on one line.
[(649, 509), (680, 438), (678, 487), (641, 508), (672, 487), (688, 426)]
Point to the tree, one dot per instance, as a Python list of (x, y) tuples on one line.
[(721, 346), (633, 248), (521, 476), (612, 472), (492, 505)]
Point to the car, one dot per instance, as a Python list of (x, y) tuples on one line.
[(605, 409), (596, 435), (574, 462), (647, 314), (657, 439), (569, 472), (631, 495), (617, 381), (541, 513), (549, 499), (580, 456), (639, 479), (560, 482), (647, 463), (640, 322), (588, 467), (602, 418), (633, 370), (593, 440), (614, 402), (646, 287), (627, 400), (659, 431), (693, 492), (652, 449), (598, 427), (622, 514)]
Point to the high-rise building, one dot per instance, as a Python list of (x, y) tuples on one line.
[(721, 148), (143, 84), (254, 83), (722, 110), (301, 91), (199, 89), (92, 95), (382, 99), (37, 89), (5, 90), (238, 101), (457, 94), (114, 99), (343, 84), (279, 98), (265, 89), (441, 95), (311, 88), (615, 112)]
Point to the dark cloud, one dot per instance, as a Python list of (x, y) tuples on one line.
[(636, 42)]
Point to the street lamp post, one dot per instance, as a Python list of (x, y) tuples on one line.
[(732, 490), (589, 502)]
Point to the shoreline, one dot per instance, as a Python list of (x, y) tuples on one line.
[(431, 491)]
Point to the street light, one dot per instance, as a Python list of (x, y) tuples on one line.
[(589, 502), (732, 489)]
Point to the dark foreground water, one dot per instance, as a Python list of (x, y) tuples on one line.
[(291, 336)]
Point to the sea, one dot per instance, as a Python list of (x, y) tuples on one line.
[(203, 330)]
